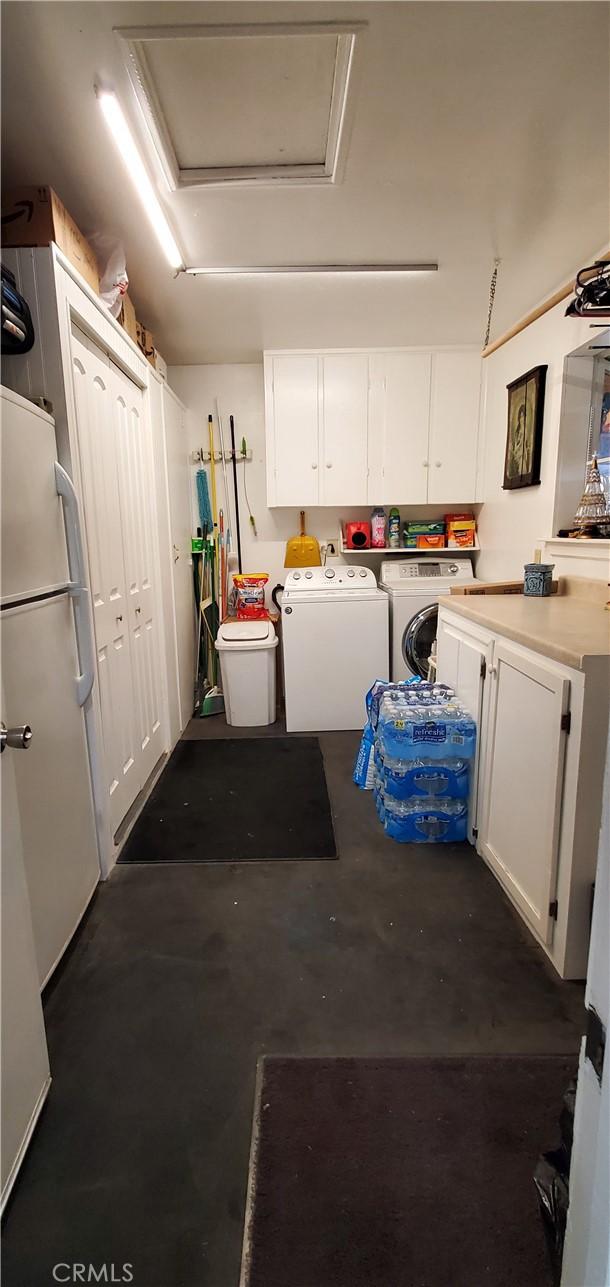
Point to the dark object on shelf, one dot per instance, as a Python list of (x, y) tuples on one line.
[(552, 1181), (524, 430), (17, 328), (591, 291)]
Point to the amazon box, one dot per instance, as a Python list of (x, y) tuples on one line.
[(127, 319), (36, 217)]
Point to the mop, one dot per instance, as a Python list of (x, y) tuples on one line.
[(213, 701), (206, 525), (231, 564)]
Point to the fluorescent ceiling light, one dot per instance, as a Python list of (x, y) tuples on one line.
[(124, 140), (314, 268)]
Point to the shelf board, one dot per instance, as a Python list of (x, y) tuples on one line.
[(443, 552)]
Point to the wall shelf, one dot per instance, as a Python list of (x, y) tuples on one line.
[(441, 553)]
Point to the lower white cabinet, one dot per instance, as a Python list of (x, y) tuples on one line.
[(523, 781), (537, 779), (464, 660)]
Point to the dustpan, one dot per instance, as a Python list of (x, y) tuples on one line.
[(302, 551)]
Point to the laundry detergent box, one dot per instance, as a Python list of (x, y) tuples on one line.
[(425, 527), (431, 541), (460, 538)]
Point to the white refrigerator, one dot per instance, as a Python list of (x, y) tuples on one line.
[(47, 674)]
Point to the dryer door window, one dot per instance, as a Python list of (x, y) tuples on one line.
[(418, 639)]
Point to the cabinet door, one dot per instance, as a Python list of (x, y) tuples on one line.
[(454, 428), (25, 1062), (138, 526), (523, 781), (292, 415), (462, 663), (178, 481), (399, 411), (102, 513), (343, 463)]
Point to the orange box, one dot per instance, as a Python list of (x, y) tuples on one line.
[(460, 519), (460, 538), (432, 542)]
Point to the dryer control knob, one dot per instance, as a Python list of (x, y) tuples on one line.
[(362, 571), (308, 576), (330, 572), (453, 568), (296, 576), (350, 572)]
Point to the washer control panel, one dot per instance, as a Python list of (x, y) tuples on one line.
[(339, 576)]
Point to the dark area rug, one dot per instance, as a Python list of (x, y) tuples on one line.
[(400, 1172), (237, 800)]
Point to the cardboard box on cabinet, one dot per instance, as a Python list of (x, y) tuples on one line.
[(146, 343), (35, 217), (127, 319)]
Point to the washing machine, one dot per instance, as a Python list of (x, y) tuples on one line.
[(413, 587), (335, 639)]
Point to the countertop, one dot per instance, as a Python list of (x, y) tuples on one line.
[(566, 627)]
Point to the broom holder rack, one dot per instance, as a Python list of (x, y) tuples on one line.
[(204, 457)]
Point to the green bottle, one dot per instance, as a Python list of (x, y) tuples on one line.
[(394, 529)]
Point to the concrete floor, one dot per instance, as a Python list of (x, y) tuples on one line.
[(182, 975)]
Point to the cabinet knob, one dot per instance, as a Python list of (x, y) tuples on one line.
[(329, 464), (438, 463), (426, 464), (314, 465)]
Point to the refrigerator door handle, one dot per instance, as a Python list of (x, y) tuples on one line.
[(77, 586)]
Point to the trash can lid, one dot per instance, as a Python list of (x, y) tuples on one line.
[(240, 632)]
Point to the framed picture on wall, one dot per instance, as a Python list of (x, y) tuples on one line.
[(524, 432)]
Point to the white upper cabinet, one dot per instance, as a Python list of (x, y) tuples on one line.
[(399, 409), (292, 402), (357, 428), (343, 467), (454, 425)]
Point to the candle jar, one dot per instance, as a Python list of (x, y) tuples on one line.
[(538, 579)]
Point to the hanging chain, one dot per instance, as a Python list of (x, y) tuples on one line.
[(492, 296)]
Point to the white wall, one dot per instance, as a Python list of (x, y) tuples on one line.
[(513, 523), (239, 389)]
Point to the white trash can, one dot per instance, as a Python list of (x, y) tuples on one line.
[(247, 662)]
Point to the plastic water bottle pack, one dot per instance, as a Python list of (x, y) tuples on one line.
[(423, 742)]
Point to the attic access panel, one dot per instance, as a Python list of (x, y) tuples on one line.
[(244, 103)]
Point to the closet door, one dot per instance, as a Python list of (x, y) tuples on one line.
[(96, 430), (179, 487), (138, 525)]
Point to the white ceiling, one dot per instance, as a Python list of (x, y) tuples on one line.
[(221, 85), (479, 129)]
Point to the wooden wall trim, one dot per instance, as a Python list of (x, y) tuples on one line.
[(535, 313)]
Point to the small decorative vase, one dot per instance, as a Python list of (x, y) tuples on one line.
[(538, 579)]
